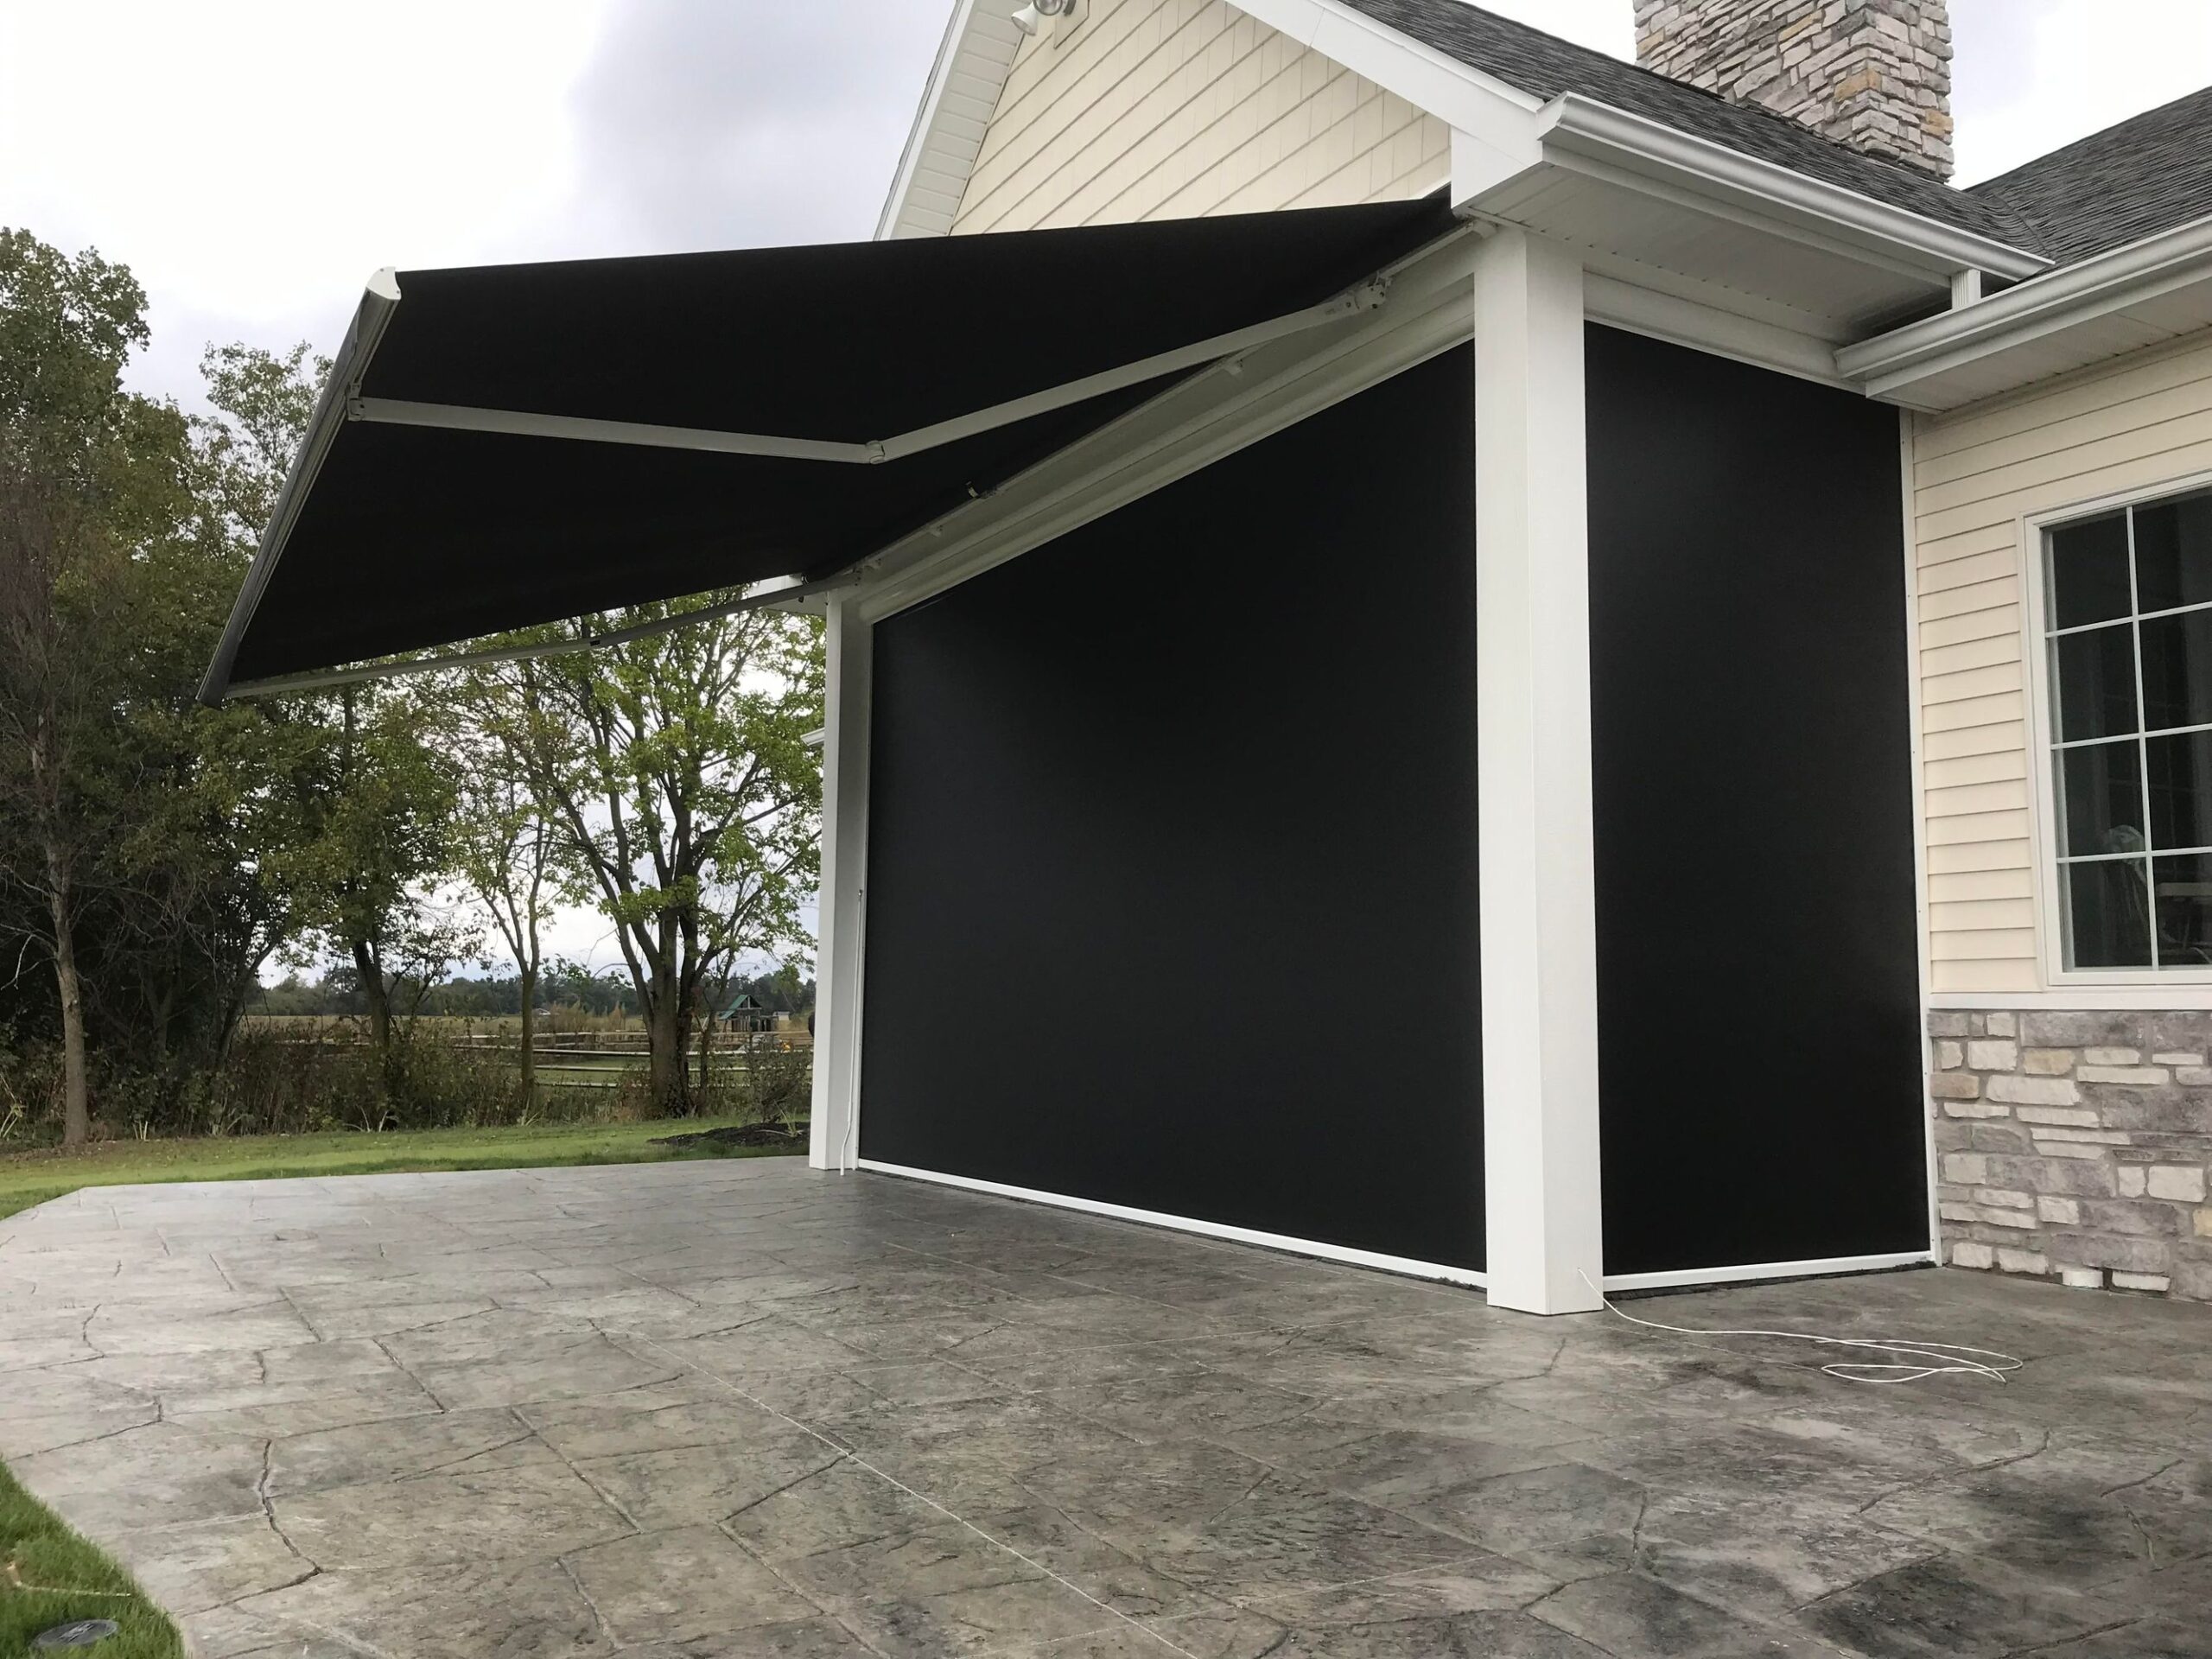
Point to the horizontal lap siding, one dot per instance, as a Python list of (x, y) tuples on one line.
[(1169, 108), (1976, 475)]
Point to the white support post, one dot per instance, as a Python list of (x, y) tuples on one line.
[(1539, 907), (833, 1139)]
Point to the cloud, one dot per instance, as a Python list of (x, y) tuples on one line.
[(731, 126), (2031, 76), (254, 160)]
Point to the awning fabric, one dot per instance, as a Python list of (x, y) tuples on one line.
[(401, 537)]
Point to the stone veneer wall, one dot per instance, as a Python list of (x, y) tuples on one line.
[(2075, 1146), (1875, 74)]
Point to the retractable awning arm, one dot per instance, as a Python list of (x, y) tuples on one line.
[(760, 596), (382, 299), (393, 411)]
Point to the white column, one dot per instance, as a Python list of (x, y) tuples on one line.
[(833, 1140), (1538, 909)]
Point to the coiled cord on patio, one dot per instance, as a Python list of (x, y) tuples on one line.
[(1928, 1358)]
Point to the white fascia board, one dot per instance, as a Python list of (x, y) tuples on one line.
[(979, 38), (1575, 127), (1455, 93), (918, 136), (1891, 364), (1494, 125)]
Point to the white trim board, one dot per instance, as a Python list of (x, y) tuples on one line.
[(1403, 1265), (973, 62), (1357, 1258), (2191, 997), (1688, 1278), (1923, 932)]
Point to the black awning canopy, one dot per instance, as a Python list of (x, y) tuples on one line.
[(611, 385)]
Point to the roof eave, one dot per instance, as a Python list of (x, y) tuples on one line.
[(1891, 365), (1574, 125), (902, 180), (973, 61)]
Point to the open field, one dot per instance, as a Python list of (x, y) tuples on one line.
[(32, 1178)]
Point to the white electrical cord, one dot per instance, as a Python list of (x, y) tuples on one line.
[(1928, 1358)]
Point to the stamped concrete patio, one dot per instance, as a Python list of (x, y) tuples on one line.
[(701, 1411)]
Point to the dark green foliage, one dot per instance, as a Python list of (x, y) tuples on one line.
[(156, 855)]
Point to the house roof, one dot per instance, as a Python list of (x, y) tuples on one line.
[(2133, 180), (1545, 66), (2144, 176)]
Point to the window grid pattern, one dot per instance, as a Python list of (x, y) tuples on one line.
[(2133, 784)]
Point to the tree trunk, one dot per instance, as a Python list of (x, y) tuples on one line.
[(665, 1049), (370, 971), (529, 1034), (705, 1049), (680, 1046), (76, 1110)]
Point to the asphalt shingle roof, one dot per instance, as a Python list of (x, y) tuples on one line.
[(2149, 173), (1546, 67), (2152, 173)]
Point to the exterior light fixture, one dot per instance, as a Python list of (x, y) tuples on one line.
[(1031, 17)]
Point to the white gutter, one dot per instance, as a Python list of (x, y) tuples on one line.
[(379, 302), (1576, 127), (2097, 287)]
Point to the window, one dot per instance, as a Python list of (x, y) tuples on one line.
[(2128, 620)]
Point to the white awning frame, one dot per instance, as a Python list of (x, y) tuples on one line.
[(1365, 296), (761, 596)]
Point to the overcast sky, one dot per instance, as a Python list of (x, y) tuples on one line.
[(254, 160)]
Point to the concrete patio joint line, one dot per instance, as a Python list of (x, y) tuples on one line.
[(860, 1462)]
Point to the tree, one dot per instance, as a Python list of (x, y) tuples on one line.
[(90, 486), (376, 797), (244, 807), (676, 774), (343, 804), (211, 909), (505, 851)]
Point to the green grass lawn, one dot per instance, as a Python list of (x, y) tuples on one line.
[(31, 1178), (50, 1576)]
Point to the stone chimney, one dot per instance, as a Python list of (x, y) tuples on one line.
[(1874, 75)]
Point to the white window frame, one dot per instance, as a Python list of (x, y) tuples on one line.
[(2040, 725)]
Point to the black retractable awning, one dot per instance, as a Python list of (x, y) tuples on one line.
[(514, 444)]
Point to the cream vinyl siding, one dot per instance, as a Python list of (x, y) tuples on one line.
[(1976, 475), (1164, 109)]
